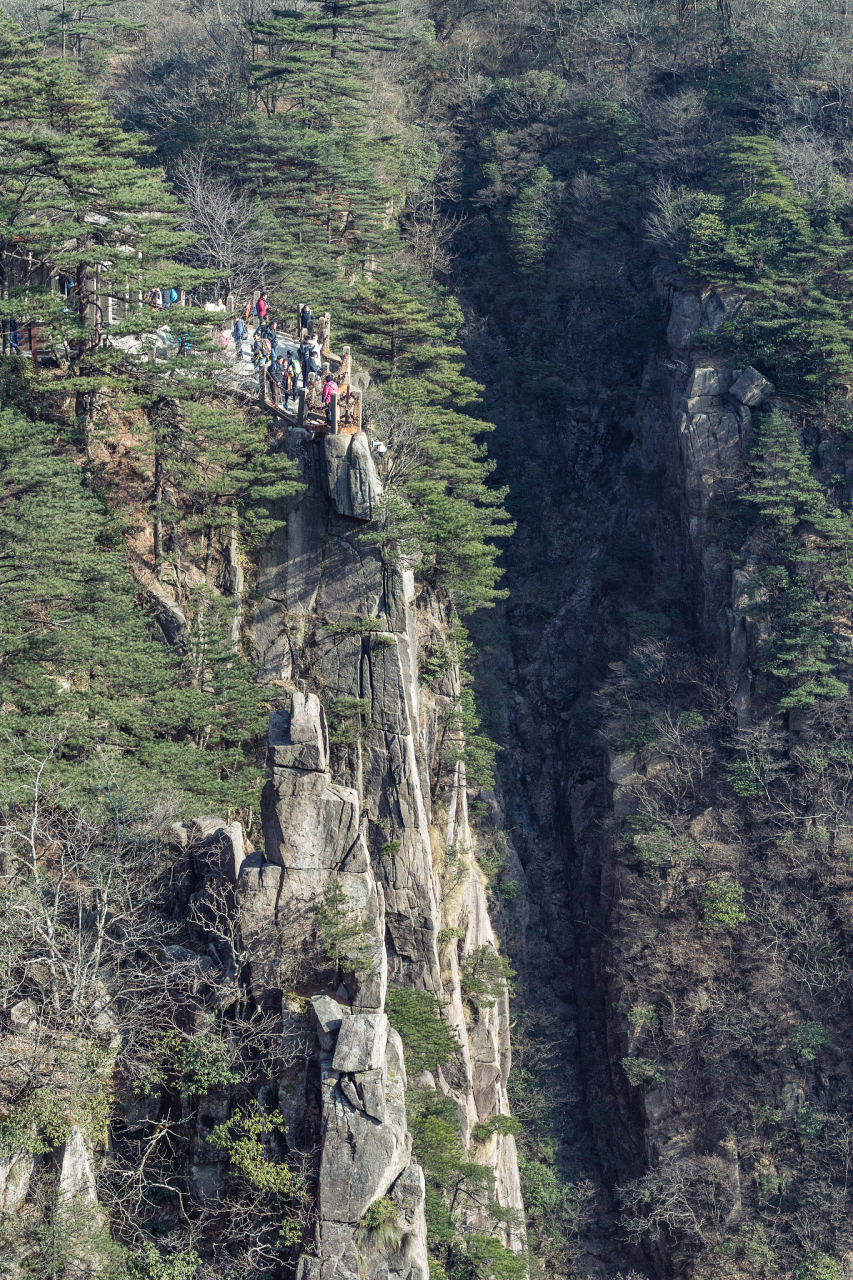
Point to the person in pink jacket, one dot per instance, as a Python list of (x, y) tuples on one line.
[(330, 388)]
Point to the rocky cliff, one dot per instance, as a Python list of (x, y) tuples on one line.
[(655, 776), (355, 809), (248, 986)]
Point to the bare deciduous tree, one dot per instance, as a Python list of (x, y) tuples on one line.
[(227, 224)]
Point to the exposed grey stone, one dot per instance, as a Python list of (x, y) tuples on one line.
[(709, 381), (351, 476), (395, 598), (338, 663), (352, 579), (328, 1017), (172, 621), (308, 1268), (217, 846), (205, 1181), (349, 1091), (685, 320), (621, 769), (316, 821), (76, 1177), (291, 565), (23, 1017), (717, 308), (258, 890), (361, 1042), (363, 482), (751, 387), (336, 449), (143, 1111), (357, 861), (690, 312), (298, 739), (373, 1093), (700, 404), (385, 676), (360, 1160), (16, 1171)]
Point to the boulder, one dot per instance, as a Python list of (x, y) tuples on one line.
[(16, 1170), (310, 823), (23, 1017), (298, 739), (351, 476), (361, 1043), (364, 486), (751, 387), (328, 1017)]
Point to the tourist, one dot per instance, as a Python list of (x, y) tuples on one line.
[(330, 388)]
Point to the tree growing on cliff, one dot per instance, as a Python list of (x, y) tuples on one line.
[(79, 656), (806, 586), (409, 338), (342, 933), (76, 195)]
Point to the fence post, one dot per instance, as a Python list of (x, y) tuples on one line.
[(327, 331), (300, 412), (333, 404)]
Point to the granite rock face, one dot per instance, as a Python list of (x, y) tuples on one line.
[(352, 482), (16, 1171), (336, 624)]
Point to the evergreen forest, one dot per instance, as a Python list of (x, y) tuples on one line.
[(591, 262)]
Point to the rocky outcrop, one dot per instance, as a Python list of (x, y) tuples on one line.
[(351, 477), (16, 1171), (358, 815)]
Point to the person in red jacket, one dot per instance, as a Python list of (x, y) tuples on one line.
[(262, 308)]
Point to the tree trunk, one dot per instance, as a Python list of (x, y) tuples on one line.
[(4, 290), (208, 554), (235, 587), (158, 512)]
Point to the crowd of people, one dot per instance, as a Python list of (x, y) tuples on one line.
[(286, 365)]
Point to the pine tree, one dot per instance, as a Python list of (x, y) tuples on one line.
[(531, 219), (794, 263), (315, 159), (407, 337), (811, 580), (221, 461), (86, 23), (79, 660), (80, 205)]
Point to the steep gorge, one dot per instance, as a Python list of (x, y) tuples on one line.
[(634, 693)]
